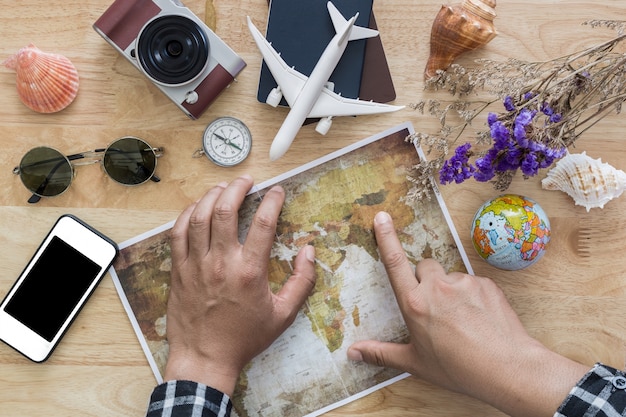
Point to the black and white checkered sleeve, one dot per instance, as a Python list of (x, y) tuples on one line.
[(600, 393), (187, 398)]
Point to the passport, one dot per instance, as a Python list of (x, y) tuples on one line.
[(301, 30)]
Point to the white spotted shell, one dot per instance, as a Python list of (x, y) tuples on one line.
[(46, 82), (590, 182)]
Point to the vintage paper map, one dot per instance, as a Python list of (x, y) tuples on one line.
[(330, 203)]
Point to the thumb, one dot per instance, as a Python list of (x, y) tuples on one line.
[(386, 354), (300, 284)]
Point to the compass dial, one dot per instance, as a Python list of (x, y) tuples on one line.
[(227, 141)]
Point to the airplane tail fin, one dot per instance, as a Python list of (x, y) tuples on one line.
[(339, 22)]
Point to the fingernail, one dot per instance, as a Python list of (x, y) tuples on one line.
[(355, 355), (277, 188), (309, 252), (223, 184), (382, 217)]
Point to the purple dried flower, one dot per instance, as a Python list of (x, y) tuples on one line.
[(529, 164), (555, 118), (519, 132), (525, 117), (500, 133), (546, 109), (522, 120), (484, 175), (457, 168), (508, 103), (514, 156), (484, 166), (513, 146)]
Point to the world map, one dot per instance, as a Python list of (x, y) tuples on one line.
[(330, 205)]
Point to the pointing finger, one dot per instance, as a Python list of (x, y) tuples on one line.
[(394, 258)]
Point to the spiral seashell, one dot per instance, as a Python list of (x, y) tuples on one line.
[(458, 29), (46, 82), (590, 182)]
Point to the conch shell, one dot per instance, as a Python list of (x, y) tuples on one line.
[(590, 182), (458, 29), (46, 82)]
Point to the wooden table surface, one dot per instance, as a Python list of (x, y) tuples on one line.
[(574, 300)]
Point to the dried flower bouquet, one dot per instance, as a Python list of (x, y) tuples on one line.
[(546, 107)]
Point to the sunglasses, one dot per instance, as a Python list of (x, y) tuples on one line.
[(46, 172)]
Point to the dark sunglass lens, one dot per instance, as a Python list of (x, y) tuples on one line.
[(45, 171), (130, 161)]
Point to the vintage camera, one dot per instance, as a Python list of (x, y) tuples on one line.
[(173, 48)]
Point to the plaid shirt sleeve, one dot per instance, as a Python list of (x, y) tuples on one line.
[(600, 393), (187, 398)]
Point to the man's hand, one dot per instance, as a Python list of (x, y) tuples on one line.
[(466, 337), (221, 312)]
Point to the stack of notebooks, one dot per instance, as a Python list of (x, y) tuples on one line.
[(301, 30)]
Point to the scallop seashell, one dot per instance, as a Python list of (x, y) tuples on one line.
[(458, 29), (590, 182), (46, 82)]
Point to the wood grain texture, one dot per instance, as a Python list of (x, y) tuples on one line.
[(574, 300)]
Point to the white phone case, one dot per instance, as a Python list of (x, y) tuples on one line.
[(33, 318)]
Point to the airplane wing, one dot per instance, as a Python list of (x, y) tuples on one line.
[(331, 104), (291, 82)]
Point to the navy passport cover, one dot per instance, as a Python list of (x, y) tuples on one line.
[(301, 30)]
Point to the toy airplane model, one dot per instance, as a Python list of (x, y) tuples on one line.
[(310, 96)]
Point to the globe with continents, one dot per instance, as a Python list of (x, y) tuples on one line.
[(510, 232)]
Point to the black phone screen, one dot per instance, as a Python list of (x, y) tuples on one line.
[(53, 287)]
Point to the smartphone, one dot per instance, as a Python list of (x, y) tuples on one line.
[(54, 286)]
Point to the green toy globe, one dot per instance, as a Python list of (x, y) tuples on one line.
[(510, 232)]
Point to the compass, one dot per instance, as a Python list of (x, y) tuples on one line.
[(227, 141)]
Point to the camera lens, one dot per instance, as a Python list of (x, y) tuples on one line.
[(173, 49)]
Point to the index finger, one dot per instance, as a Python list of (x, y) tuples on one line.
[(394, 258), (262, 231), (179, 235)]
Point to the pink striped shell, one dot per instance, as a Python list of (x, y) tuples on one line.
[(46, 82)]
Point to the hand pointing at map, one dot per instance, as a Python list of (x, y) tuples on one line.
[(466, 337)]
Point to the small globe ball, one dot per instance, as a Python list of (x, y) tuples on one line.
[(510, 232)]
